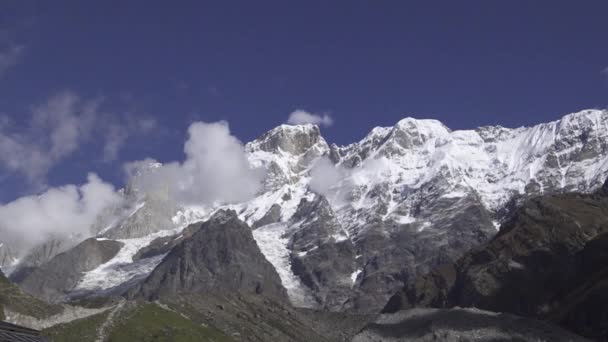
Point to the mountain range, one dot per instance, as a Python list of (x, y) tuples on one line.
[(413, 220)]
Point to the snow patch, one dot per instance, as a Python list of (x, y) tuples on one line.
[(273, 244), (424, 226), (515, 265), (122, 268), (354, 275), (403, 219), (496, 225)]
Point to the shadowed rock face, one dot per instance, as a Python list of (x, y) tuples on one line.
[(222, 257), (581, 307), (322, 255), (273, 215), (395, 255), (54, 279), (549, 260)]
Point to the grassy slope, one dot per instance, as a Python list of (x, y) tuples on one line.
[(80, 330), (14, 299), (149, 322), (144, 322)]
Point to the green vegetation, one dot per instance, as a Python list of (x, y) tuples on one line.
[(12, 298), (145, 322), (80, 330), (151, 323)]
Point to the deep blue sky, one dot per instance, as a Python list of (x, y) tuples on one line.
[(367, 63)]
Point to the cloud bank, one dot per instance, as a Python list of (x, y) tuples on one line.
[(64, 211), (301, 117), (216, 169)]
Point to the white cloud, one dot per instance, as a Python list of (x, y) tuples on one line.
[(116, 137), (54, 131), (118, 131), (62, 211), (68, 121), (10, 57), (57, 128), (605, 71), (300, 117), (324, 174), (216, 169)]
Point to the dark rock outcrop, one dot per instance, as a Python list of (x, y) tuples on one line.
[(547, 261), (54, 279), (393, 254), (273, 215), (581, 307), (322, 255), (221, 257), (163, 245)]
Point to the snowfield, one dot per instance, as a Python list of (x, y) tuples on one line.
[(273, 245)]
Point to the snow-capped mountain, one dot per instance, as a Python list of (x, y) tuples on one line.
[(402, 200)]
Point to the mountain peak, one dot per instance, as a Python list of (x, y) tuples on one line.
[(588, 118), (429, 126), (294, 139), (221, 257)]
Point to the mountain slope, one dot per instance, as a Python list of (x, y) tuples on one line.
[(14, 300), (221, 256), (548, 260), (137, 322), (54, 280), (420, 192)]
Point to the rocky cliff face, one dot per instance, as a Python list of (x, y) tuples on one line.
[(548, 261), (420, 192), (221, 257), (322, 255)]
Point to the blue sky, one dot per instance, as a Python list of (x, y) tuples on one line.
[(142, 71)]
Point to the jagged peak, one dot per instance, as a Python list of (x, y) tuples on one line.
[(587, 117), (224, 215), (294, 139), (290, 130), (586, 113), (430, 126), (300, 127)]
